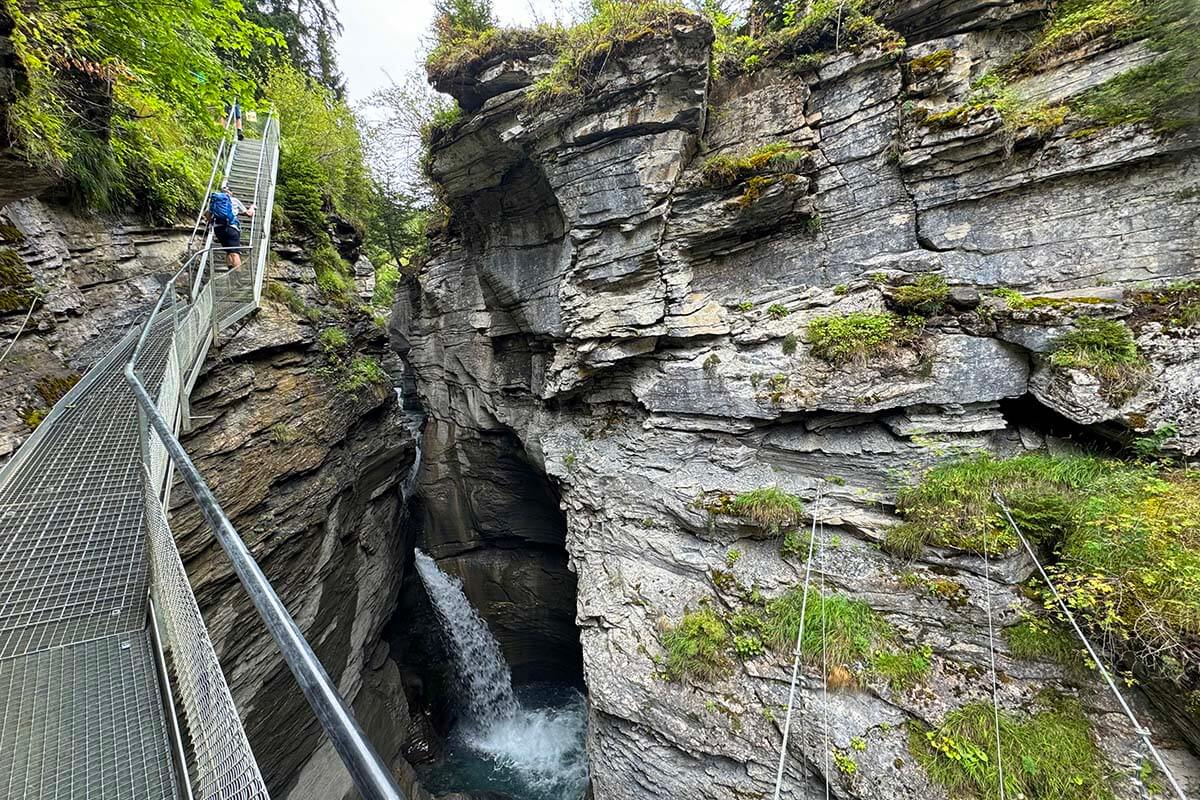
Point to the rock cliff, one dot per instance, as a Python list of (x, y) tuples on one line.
[(310, 469), (621, 311)]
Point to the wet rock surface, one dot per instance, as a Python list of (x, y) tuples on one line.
[(641, 338)]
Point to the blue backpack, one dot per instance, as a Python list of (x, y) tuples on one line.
[(221, 207)]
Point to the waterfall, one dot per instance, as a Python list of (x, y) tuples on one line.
[(482, 671)]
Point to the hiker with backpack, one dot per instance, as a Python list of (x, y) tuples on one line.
[(223, 210)]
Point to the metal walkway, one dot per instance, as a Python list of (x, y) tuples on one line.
[(85, 711)]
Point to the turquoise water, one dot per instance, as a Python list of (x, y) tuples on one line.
[(537, 754)]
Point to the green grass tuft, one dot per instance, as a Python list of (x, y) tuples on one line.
[(1038, 640), (334, 277), (858, 336), (777, 158), (363, 371), (1047, 755), (696, 647), (1106, 349), (17, 287), (925, 296), (768, 507)]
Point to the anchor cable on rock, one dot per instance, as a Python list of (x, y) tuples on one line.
[(1138, 728)]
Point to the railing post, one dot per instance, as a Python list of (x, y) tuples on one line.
[(212, 280), (185, 410)]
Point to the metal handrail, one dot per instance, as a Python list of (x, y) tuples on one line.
[(212, 176), (368, 771), (366, 768)]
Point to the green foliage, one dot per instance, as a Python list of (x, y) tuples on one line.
[(17, 287), (768, 507), (444, 118), (991, 93), (777, 311), (282, 293), (858, 336), (613, 26), (1176, 305), (1077, 22), (777, 158), (459, 17), (696, 647), (334, 276), (362, 372), (1164, 93), (1105, 348), (795, 544), (937, 61), (799, 35), (53, 388), (1127, 539), (459, 52), (1047, 755), (952, 506), (386, 278), (282, 433), (789, 344), (747, 646), (845, 763), (1151, 445), (321, 160), (732, 557), (334, 339), (925, 296), (902, 669), (121, 95), (34, 416), (1038, 639)]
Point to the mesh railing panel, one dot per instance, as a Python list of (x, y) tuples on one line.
[(220, 761), (221, 764)]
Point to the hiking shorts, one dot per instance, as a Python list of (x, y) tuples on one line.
[(228, 235)]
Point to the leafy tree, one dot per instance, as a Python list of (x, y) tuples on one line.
[(457, 18), (309, 29), (322, 152), (123, 97)]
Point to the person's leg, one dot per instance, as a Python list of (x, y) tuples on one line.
[(234, 258), (237, 119)]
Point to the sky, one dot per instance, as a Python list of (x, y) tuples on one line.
[(386, 37)]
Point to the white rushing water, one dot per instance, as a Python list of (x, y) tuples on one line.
[(482, 670), (528, 749)]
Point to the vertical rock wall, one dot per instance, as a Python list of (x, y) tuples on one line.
[(637, 335)]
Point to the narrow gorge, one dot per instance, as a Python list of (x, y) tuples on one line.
[(730, 335)]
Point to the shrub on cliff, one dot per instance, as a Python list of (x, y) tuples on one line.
[(859, 335), (696, 647), (1048, 754), (1126, 539)]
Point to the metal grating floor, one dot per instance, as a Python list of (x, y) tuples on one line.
[(71, 541), (81, 714), (84, 721)]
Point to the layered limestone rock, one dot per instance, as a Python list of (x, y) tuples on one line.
[(312, 474), (89, 280), (616, 320)]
